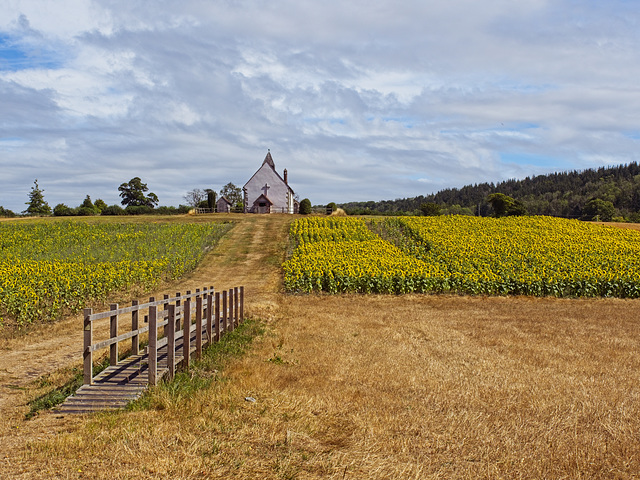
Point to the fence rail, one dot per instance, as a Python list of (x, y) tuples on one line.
[(208, 313)]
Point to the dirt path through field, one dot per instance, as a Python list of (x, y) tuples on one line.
[(245, 256)]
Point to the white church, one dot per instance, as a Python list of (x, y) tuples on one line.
[(268, 192)]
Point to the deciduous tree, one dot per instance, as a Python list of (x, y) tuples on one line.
[(430, 209), (194, 197), (598, 210), (233, 194), (100, 205), (133, 194), (5, 212), (503, 205), (87, 207)]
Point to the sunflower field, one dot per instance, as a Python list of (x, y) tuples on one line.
[(459, 254), (47, 268)]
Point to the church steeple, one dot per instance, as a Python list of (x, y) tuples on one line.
[(268, 160)]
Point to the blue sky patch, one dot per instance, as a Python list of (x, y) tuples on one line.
[(530, 159), (15, 56), (633, 135)]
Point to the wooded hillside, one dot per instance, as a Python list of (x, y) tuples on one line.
[(562, 194)]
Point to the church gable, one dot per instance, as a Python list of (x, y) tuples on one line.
[(262, 204)]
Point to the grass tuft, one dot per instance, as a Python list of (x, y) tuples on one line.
[(201, 373), (57, 395)]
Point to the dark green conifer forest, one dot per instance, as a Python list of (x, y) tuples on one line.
[(608, 193)]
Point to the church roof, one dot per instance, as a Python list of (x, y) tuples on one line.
[(269, 161)]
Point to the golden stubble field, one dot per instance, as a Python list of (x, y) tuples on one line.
[(353, 386)]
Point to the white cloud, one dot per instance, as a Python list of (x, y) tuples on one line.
[(358, 100)]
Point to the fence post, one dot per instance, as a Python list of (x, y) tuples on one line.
[(113, 349), (165, 305), (209, 316), (236, 301), (230, 321), (205, 293), (135, 324), (198, 325), (242, 304), (217, 316), (87, 354), (146, 317), (177, 314), (171, 340), (153, 345), (224, 312), (186, 331)]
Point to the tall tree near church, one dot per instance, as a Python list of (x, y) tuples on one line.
[(133, 194), (232, 193), (36, 203)]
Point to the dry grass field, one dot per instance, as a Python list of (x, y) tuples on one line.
[(371, 387)]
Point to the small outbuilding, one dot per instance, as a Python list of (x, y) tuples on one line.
[(223, 205)]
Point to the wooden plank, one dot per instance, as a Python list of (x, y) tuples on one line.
[(98, 394), (119, 338), (142, 306)]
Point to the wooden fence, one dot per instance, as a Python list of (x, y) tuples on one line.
[(203, 210), (208, 313)]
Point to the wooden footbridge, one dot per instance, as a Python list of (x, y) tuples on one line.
[(189, 323)]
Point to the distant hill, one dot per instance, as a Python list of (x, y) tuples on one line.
[(562, 194)]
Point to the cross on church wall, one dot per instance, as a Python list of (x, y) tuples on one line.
[(266, 189)]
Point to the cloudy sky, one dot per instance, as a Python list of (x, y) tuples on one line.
[(359, 100)]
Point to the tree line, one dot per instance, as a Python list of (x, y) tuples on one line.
[(606, 193), (136, 200)]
